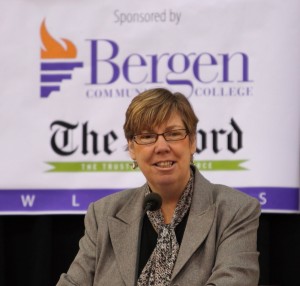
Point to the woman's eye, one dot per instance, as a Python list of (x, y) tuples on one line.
[(147, 136), (173, 133)]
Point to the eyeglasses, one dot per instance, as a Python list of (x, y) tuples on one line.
[(149, 138)]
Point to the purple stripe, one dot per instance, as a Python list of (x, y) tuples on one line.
[(50, 200), (60, 66), (46, 90), (275, 198), (62, 200), (55, 77)]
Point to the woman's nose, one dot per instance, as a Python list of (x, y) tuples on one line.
[(161, 144)]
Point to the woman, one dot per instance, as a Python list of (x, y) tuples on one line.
[(203, 234)]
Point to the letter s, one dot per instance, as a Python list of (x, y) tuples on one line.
[(262, 197)]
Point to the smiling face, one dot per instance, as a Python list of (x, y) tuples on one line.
[(166, 165)]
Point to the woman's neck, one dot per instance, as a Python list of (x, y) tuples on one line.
[(167, 210)]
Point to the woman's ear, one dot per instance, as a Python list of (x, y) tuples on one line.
[(131, 149)]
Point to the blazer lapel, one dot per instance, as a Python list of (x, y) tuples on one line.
[(124, 232), (199, 222), (196, 230)]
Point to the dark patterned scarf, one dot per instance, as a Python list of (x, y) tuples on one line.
[(159, 267)]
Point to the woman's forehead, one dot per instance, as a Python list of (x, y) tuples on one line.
[(173, 121)]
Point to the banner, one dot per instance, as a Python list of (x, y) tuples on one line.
[(69, 70)]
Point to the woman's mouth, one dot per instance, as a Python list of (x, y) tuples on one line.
[(164, 164)]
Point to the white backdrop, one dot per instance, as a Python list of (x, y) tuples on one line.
[(69, 69)]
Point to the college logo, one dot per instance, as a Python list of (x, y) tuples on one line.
[(114, 72), (57, 62)]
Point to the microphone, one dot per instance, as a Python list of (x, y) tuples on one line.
[(152, 202)]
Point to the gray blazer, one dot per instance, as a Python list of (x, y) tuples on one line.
[(218, 247)]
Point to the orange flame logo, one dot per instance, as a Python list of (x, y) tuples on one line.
[(53, 49)]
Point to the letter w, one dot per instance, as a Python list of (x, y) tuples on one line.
[(27, 200)]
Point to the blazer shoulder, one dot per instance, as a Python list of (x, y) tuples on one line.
[(219, 194), (232, 201), (229, 193), (113, 203)]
